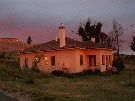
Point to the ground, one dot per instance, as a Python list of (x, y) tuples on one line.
[(4, 96), (105, 87)]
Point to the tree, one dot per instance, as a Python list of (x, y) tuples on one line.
[(103, 38), (133, 44), (114, 36), (87, 31), (29, 40)]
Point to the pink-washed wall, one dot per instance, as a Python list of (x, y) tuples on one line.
[(65, 60), (69, 60), (79, 67), (29, 56), (108, 60), (99, 53)]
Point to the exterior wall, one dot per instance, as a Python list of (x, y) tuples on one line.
[(108, 55), (65, 60), (91, 53), (29, 56), (69, 60), (99, 62), (8, 40), (79, 67)]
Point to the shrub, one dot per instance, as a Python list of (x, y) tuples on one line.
[(118, 63), (97, 71), (58, 73), (87, 72), (30, 77)]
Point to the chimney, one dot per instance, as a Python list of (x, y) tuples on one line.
[(93, 39), (62, 35), (56, 39)]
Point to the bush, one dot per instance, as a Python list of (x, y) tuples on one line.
[(118, 63), (30, 78), (58, 73), (97, 71), (87, 72)]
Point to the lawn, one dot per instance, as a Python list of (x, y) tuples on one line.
[(46, 87)]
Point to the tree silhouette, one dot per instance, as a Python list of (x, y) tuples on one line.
[(87, 31), (133, 44), (114, 36), (29, 40)]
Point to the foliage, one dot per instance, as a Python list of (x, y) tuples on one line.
[(6, 55), (29, 40), (57, 73), (87, 31), (78, 74), (3, 55), (131, 83), (133, 44), (29, 78), (37, 60), (50, 88), (118, 63), (87, 72), (97, 71)]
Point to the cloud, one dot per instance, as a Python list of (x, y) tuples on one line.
[(40, 19)]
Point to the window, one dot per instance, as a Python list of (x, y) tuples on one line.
[(81, 60), (92, 60), (26, 62), (36, 59), (103, 59), (46, 60), (53, 60), (110, 59)]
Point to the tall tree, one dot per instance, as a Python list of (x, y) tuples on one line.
[(86, 31), (29, 40), (114, 36), (133, 44)]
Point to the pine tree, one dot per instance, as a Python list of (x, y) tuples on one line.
[(29, 40)]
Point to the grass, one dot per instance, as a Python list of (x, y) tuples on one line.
[(46, 87)]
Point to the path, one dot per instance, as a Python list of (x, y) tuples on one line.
[(12, 97), (4, 97)]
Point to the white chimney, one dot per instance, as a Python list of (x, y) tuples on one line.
[(56, 38), (62, 35), (93, 39)]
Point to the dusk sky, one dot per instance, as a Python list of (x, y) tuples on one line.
[(41, 19)]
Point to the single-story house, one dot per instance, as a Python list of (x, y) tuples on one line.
[(68, 55)]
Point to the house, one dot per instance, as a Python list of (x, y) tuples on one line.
[(68, 55), (9, 40)]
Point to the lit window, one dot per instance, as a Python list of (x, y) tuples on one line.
[(81, 60), (46, 60), (53, 60), (36, 59)]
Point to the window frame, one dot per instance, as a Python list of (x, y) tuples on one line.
[(92, 59), (53, 61), (46, 60), (26, 62), (81, 60)]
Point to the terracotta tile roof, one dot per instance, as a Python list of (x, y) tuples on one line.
[(70, 43)]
